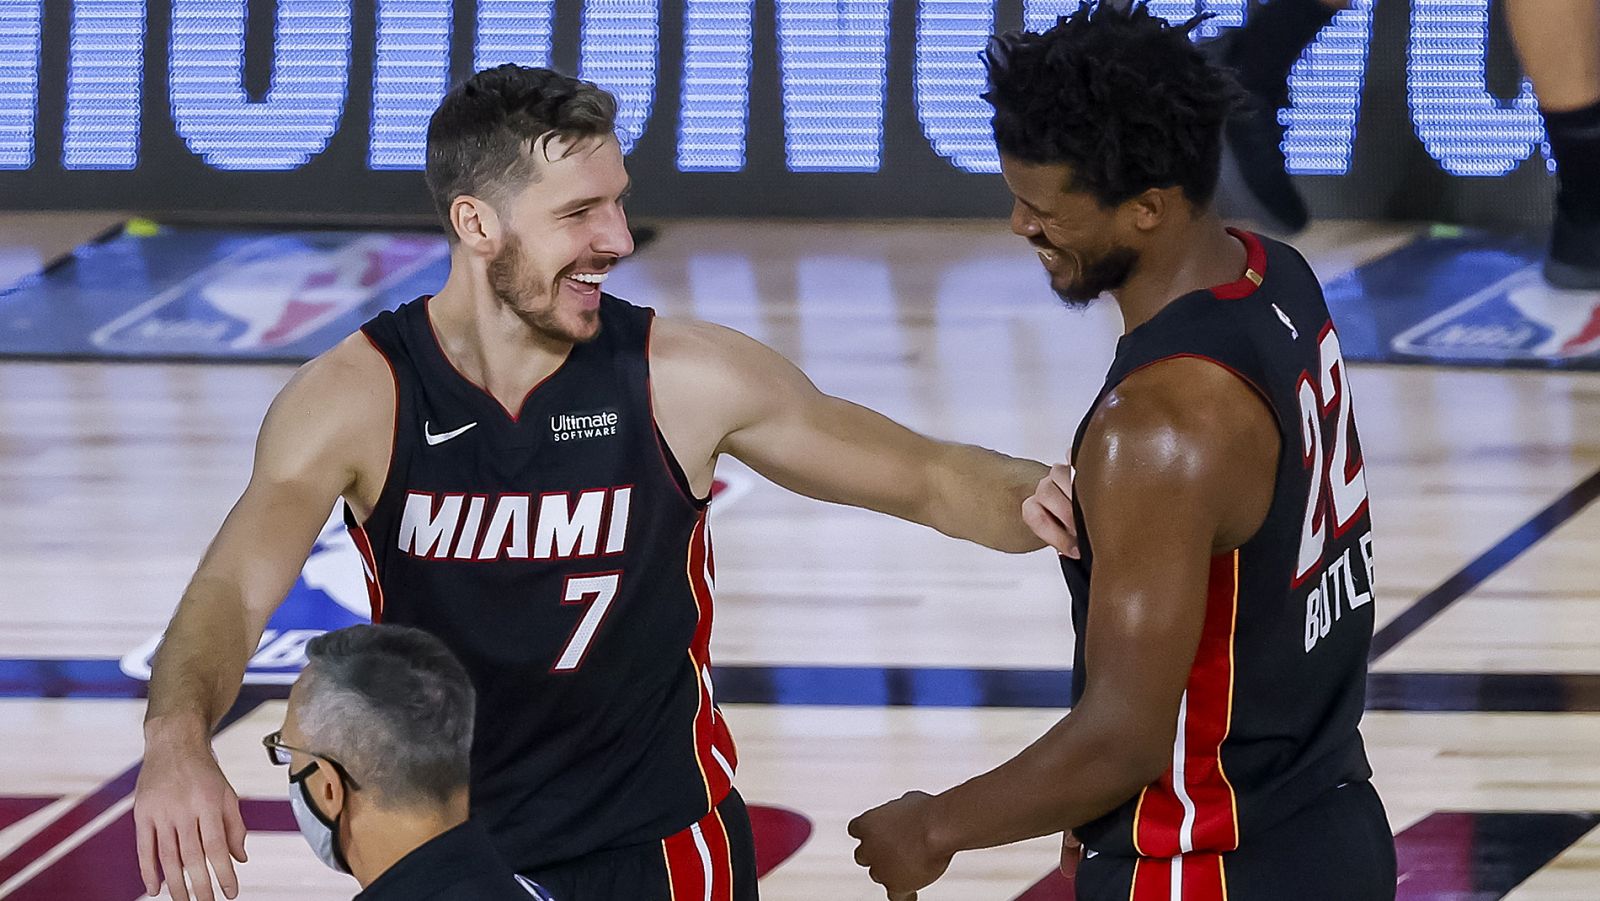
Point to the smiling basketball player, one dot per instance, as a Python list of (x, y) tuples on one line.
[(527, 462)]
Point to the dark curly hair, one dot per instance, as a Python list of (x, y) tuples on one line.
[(1118, 94), (480, 137)]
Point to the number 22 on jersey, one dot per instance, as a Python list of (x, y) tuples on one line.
[(1337, 495)]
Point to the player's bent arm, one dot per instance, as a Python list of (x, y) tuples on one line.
[(763, 410), (187, 824), (306, 457), (1169, 475)]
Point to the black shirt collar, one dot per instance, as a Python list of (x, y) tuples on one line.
[(464, 852)]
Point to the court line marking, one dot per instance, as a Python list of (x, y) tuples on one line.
[(15, 835), (66, 846), (941, 688), (1402, 627), (115, 794), (1426, 608)]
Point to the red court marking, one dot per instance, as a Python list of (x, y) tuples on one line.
[(779, 834), (104, 867), (13, 810), (1054, 887), (268, 816), (1437, 861), (1441, 857), (68, 823)]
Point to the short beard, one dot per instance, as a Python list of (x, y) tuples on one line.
[(512, 285), (1107, 272)]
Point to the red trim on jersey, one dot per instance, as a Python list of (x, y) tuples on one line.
[(713, 744), (677, 475), (1150, 881), (514, 416), (394, 437), (1255, 268), (1201, 878), (1164, 825), (715, 834), (369, 571), (700, 861)]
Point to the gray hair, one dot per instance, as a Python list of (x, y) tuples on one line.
[(394, 707)]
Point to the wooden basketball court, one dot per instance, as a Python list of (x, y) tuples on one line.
[(863, 657)]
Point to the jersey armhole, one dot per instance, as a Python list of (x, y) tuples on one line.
[(669, 460), (1260, 392), (394, 437)]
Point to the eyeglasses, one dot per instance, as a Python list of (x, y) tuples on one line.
[(278, 755)]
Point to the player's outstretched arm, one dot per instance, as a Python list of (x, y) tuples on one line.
[(764, 411), (186, 816), (1177, 465)]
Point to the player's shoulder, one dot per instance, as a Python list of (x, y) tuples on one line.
[(683, 334), (682, 343), (1178, 405), (349, 382)]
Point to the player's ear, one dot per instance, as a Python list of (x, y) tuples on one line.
[(477, 224), (1152, 207)]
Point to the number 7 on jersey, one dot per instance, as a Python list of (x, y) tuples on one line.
[(597, 590)]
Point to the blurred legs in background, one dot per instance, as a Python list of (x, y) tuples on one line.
[(1255, 180), (1558, 42)]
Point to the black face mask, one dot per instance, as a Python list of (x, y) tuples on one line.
[(320, 832)]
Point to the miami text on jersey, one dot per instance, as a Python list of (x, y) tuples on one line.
[(477, 527)]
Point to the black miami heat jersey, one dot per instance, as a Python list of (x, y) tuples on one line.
[(557, 549), (1268, 721)]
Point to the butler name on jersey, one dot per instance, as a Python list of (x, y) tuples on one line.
[(1334, 571)]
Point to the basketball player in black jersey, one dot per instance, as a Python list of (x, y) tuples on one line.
[(526, 462), (1215, 532)]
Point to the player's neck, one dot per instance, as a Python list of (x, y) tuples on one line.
[(1191, 256), (388, 835), (489, 343)]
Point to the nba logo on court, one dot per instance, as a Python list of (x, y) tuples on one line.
[(1518, 318), (329, 594), (270, 293)]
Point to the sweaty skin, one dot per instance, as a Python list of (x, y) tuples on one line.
[(1177, 465), (521, 291)]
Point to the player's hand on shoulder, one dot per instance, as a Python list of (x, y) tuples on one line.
[(1049, 511), (897, 845), (186, 821)]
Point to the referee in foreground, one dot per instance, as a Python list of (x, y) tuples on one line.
[(376, 741)]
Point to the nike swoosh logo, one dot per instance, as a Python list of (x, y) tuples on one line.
[(433, 439)]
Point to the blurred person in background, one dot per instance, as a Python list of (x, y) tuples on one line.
[(1558, 44)]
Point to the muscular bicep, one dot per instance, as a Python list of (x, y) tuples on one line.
[(721, 392), (307, 455), (834, 450), (1176, 470), (1152, 541)]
